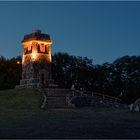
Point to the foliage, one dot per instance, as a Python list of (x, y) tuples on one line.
[(68, 70), (120, 78), (10, 72)]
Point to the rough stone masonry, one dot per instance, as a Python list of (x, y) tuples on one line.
[(36, 60)]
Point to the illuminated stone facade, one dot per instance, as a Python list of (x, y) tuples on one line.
[(36, 60)]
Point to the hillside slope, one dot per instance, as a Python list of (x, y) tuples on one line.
[(21, 117), (20, 99)]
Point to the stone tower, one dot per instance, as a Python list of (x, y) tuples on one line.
[(36, 60)]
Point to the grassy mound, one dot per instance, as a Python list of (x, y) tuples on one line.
[(20, 99)]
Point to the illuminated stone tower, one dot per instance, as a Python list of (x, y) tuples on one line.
[(36, 60)]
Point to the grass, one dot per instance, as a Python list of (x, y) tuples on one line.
[(19, 99), (16, 107), (21, 117)]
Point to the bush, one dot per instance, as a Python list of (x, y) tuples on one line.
[(81, 101)]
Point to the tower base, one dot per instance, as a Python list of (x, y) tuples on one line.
[(35, 83)]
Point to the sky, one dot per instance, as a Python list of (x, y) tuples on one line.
[(102, 31)]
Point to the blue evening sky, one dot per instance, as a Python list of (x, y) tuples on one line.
[(102, 31)]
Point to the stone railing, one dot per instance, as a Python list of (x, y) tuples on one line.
[(88, 93), (93, 99)]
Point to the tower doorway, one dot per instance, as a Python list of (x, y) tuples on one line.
[(42, 79)]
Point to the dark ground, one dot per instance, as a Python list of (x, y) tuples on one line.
[(71, 123), (21, 117)]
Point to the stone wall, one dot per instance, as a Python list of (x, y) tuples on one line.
[(32, 71)]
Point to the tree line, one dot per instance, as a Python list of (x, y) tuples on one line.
[(120, 78)]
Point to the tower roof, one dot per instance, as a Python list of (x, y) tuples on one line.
[(37, 35)]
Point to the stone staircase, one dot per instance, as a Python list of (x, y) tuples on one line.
[(56, 102), (63, 98), (55, 97), (94, 99)]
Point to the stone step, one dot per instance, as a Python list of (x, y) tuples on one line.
[(56, 98), (56, 105), (57, 92), (56, 102), (53, 107)]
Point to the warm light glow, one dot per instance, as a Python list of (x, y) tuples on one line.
[(28, 43), (36, 50), (29, 48), (34, 56), (23, 59), (18, 62), (50, 58)]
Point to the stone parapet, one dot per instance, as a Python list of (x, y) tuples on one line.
[(35, 83), (29, 81)]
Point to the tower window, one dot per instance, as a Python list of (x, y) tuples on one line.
[(47, 49), (28, 50), (42, 48), (25, 50)]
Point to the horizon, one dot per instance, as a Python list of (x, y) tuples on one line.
[(101, 31)]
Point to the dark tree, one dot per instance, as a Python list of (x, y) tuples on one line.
[(120, 78)]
